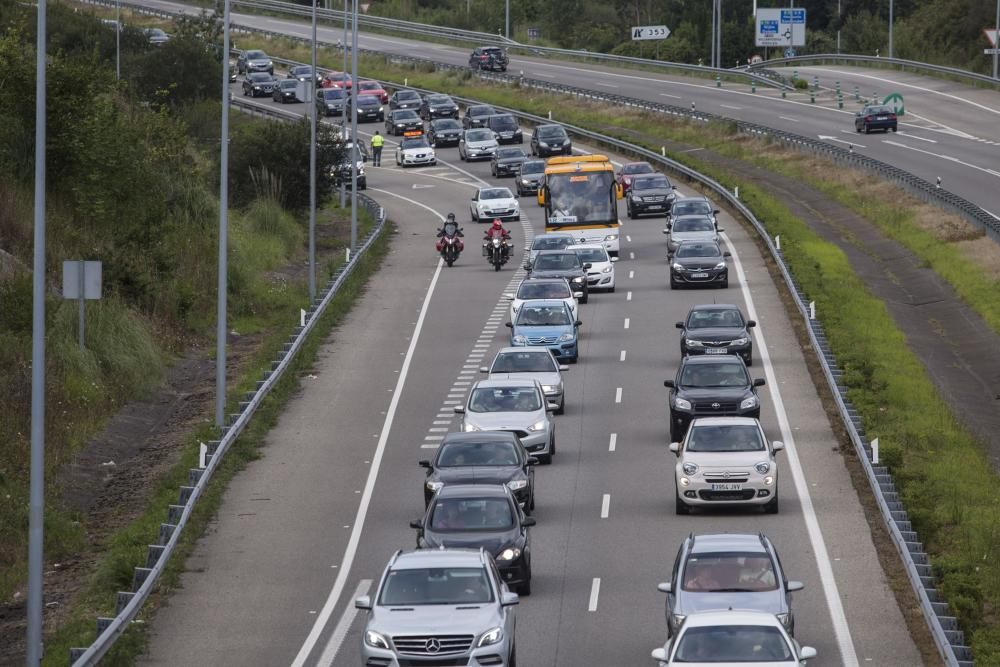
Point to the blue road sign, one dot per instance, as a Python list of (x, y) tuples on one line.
[(793, 16), (769, 27)]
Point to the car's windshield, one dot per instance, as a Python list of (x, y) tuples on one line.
[(531, 289), (637, 168), (533, 167), (880, 110), (466, 514), (729, 572), (459, 454), (495, 193), (301, 70), (524, 362), (256, 55), (505, 399), (414, 142), (407, 95), (288, 83), (510, 152), (651, 183), (439, 99), (437, 585), (727, 374), (542, 316), (503, 123), (260, 76), (582, 197), (481, 111), (550, 132), (716, 317), (691, 208), (551, 242), (406, 114), (369, 85), (698, 250), (693, 225), (732, 644), (156, 32), (562, 261), (367, 101), (446, 124), (478, 135), (592, 254), (725, 438), (332, 93)]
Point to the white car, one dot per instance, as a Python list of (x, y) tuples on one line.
[(601, 274), (413, 151), (543, 288), (726, 461), (732, 638), (490, 203), (477, 143)]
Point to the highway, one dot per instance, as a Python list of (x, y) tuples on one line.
[(312, 523)]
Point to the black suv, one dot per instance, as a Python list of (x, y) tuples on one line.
[(711, 386), (403, 120), (476, 115), (438, 106), (505, 128), (487, 457), (491, 58), (444, 132), (650, 193), (561, 264), (717, 328), (550, 140)]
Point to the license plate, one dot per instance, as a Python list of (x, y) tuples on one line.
[(699, 275), (656, 207), (715, 350), (727, 487), (881, 117)]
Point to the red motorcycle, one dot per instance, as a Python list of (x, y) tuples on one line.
[(449, 243)]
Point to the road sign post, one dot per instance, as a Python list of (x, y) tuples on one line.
[(81, 281)]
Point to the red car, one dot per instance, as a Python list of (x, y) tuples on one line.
[(336, 80), (630, 170), (373, 88)]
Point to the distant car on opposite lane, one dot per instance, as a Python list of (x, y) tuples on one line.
[(491, 58)]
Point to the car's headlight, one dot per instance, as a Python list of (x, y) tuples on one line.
[(381, 109), (607, 269), (578, 280), (490, 637), (762, 468), (519, 340), (375, 639), (769, 480), (682, 404), (678, 619), (434, 486), (784, 619), (748, 403), (689, 468), (720, 265), (740, 341), (611, 237), (517, 484), (550, 388), (270, 64), (677, 267), (509, 554), (693, 343), (400, 124), (543, 144), (537, 426), (636, 197), (469, 427)]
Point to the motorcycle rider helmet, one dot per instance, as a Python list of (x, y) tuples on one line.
[(450, 217), (497, 224)]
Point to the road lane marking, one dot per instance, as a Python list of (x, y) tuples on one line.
[(676, 97), (913, 136), (628, 238), (441, 422), (595, 591), (438, 429), (618, 395), (433, 438), (612, 442), (631, 255), (727, 106), (431, 446), (622, 357), (938, 155), (631, 275), (605, 505), (793, 120), (628, 296), (626, 322), (343, 625)]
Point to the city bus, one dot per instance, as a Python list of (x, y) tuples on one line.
[(580, 196)]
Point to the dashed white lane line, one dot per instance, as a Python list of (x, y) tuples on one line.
[(437, 430), (612, 442), (676, 97), (727, 106), (432, 446), (628, 238), (622, 356), (628, 296), (618, 395), (626, 322), (433, 438), (595, 592), (344, 624), (631, 255), (441, 422), (631, 274), (793, 120), (605, 505)]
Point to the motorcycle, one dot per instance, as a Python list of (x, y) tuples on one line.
[(450, 246), (497, 252)]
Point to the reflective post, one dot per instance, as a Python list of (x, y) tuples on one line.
[(312, 165), (506, 20), (220, 330)]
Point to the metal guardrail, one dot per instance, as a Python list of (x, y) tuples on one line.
[(144, 578), (973, 77)]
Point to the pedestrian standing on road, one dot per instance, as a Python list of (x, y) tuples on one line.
[(377, 141)]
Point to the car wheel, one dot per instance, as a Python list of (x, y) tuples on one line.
[(512, 658), (867, 129), (673, 285), (857, 128), (725, 284), (586, 297), (680, 507), (524, 590), (544, 459), (629, 212), (893, 128), (562, 407), (749, 358), (552, 446), (772, 505), (611, 289), (533, 153)]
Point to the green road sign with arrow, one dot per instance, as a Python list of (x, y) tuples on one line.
[(896, 100)]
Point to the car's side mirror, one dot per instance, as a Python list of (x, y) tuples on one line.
[(424, 463), (727, 254), (578, 323), (509, 325), (666, 230), (417, 524), (459, 410), (759, 382), (673, 187), (613, 259), (679, 325), (363, 602), (529, 521), (675, 447), (793, 586), (663, 587), (659, 654), (751, 324), (551, 407), (563, 368), (715, 211), (509, 599), (807, 653), (484, 369), (587, 266), (527, 266), (668, 383), (532, 461), (719, 229), (777, 446)]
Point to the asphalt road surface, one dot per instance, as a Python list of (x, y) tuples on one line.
[(312, 523)]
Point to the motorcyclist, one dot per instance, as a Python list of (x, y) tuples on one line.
[(496, 230), (450, 227)]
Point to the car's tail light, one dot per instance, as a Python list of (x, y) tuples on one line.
[(892, 116), (868, 118)]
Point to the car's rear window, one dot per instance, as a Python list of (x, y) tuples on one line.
[(531, 289)]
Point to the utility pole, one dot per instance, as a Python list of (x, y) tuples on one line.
[(118, 40), (312, 164), (220, 330), (890, 28), (506, 20), (996, 41), (36, 505), (354, 128)]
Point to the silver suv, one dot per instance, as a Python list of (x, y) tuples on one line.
[(439, 605)]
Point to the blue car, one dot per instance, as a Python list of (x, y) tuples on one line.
[(546, 323)]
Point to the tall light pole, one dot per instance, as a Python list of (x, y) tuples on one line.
[(118, 40), (506, 20), (996, 41), (220, 330), (354, 128), (36, 505), (890, 28), (312, 164)]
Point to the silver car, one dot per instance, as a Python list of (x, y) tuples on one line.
[(437, 605), (691, 228), (532, 363), (477, 144), (518, 406), (550, 241)]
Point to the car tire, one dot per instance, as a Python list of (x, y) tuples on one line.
[(524, 590), (611, 290), (680, 507), (544, 459), (586, 297), (562, 407), (512, 658), (893, 129), (725, 284), (675, 434), (673, 285), (772, 505), (866, 129), (749, 358), (629, 212)]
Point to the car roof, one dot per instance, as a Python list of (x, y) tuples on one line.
[(513, 382), (543, 279), (561, 251), (729, 617), (716, 542), (710, 359), (524, 348), (421, 558), (481, 436), (715, 306), (544, 302), (725, 421), (473, 491), (692, 198)]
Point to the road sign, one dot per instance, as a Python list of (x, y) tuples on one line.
[(781, 27), (81, 281), (650, 32), (895, 100), (991, 34), (991, 52)]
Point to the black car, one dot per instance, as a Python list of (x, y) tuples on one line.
[(530, 178), (405, 99), (699, 263), (403, 120), (650, 194), (444, 132), (369, 108), (550, 140), (286, 90), (711, 386), (561, 264), (484, 516), (486, 457), (507, 162), (305, 73), (696, 205), (331, 101), (342, 171), (438, 106), (717, 328), (476, 115), (258, 83), (875, 117), (491, 58), (505, 128)]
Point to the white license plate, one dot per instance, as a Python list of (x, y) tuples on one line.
[(654, 208), (881, 118), (699, 275), (727, 487), (715, 350)]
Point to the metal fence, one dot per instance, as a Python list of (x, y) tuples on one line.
[(964, 75)]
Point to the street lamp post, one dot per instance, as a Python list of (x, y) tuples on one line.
[(506, 20), (890, 28), (996, 41), (312, 164), (118, 40), (220, 331), (354, 127)]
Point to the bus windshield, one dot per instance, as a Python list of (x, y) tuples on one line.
[(581, 197)]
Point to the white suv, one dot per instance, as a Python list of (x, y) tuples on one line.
[(726, 461)]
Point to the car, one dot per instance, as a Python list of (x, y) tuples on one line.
[(439, 604), (414, 150), (507, 162), (536, 363), (491, 58), (342, 170), (491, 203), (156, 36), (601, 274), (331, 101), (699, 263), (476, 115), (400, 121), (286, 90), (505, 128), (337, 80), (518, 406), (732, 638), (875, 117), (710, 386), (540, 322), (726, 461), (375, 89), (549, 241), (258, 83), (717, 328), (543, 288), (481, 516), (549, 140), (254, 61), (486, 457), (696, 205), (477, 144), (444, 132), (629, 171), (369, 108), (649, 194), (437, 105), (728, 571), (304, 73), (561, 264), (690, 228), (530, 178), (405, 99)]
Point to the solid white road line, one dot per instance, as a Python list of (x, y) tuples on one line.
[(943, 157), (618, 395), (343, 625), (793, 120), (612, 442), (848, 656), (605, 505), (595, 591)]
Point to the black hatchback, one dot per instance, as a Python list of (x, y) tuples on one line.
[(486, 457), (711, 386), (476, 115), (561, 264), (699, 263), (444, 132), (717, 328)]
